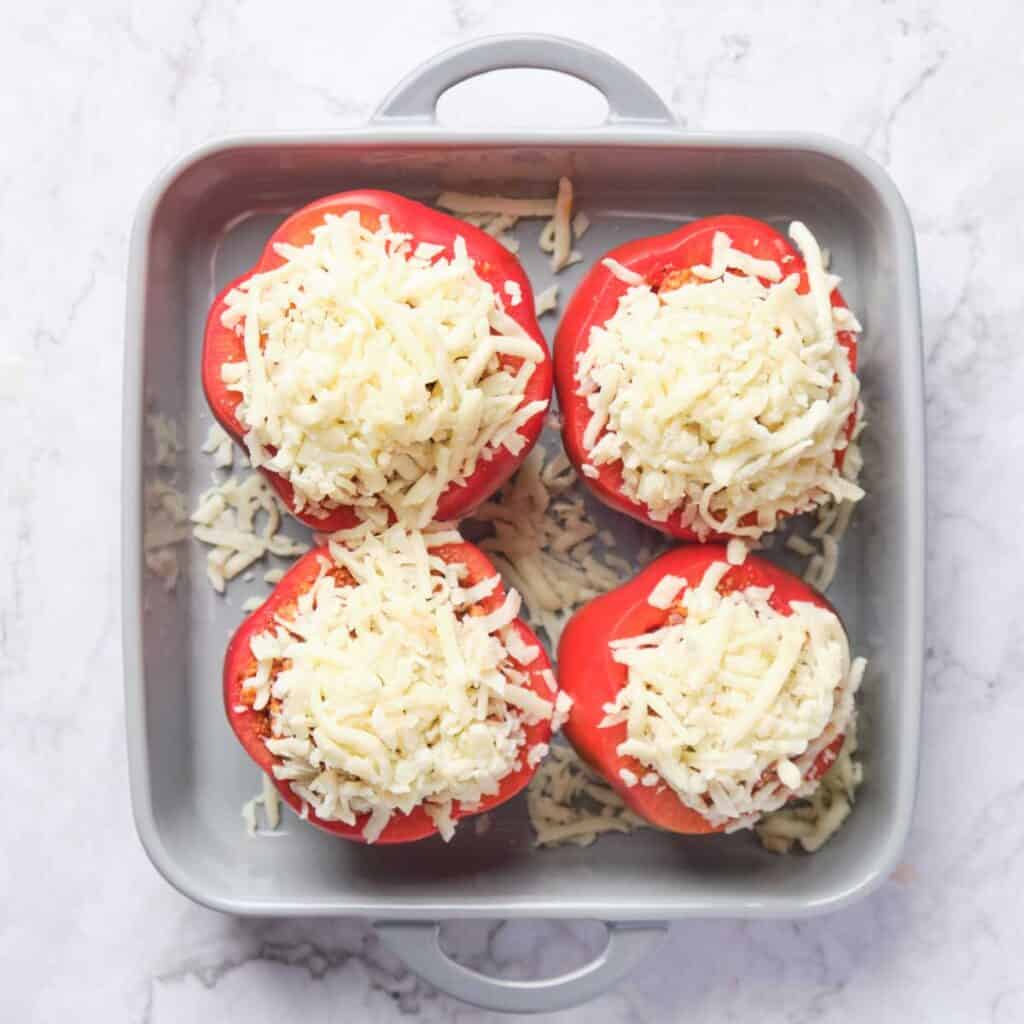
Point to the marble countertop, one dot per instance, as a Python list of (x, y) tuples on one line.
[(95, 99)]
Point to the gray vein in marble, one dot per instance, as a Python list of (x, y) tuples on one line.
[(885, 127)]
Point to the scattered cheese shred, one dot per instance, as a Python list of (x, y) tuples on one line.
[(570, 804), (810, 823), (385, 694), (562, 221), (724, 400), (219, 445), (269, 800), (239, 520), (817, 539), (540, 537), (377, 372), (498, 214), (465, 202), (732, 705), (547, 300)]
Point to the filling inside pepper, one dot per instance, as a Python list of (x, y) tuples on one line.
[(387, 686), (732, 702), (722, 392), (377, 371)]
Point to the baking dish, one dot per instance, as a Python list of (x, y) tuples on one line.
[(204, 220)]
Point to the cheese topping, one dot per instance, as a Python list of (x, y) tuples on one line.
[(385, 691), (731, 702), (377, 371), (812, 822), (726, 398)]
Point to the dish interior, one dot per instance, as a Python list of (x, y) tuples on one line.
[(209, 225)]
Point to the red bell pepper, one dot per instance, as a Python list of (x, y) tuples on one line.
[(252, 728), (592, 678), (662, 261), (494, 263)]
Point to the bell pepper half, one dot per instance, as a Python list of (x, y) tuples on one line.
[(252, 728), (494, 264), (588, 673), (662, 261)]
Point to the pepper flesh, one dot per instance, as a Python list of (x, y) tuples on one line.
[(662, 261), (493, 263), (252, 727), (589, 674)]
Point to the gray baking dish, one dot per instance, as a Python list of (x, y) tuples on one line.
[(205, 219)]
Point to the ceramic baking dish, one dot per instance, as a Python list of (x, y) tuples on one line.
[(204, 221)]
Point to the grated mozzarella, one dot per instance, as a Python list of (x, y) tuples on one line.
[(219, 445), (497, 214), (812, 821), (736, 551), (547, 300), (239, 520), (725, 399), (665, 591), (376, 372), (540, 537), (561, 252), (467, 203), (269, 800), (570, 804), (732, 705), (385, 692)]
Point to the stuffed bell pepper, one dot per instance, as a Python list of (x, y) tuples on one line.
[(709, 693), (381, 358), (707, 379), (388, 687)]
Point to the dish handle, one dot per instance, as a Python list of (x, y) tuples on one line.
[(630, 98), (418, 944)]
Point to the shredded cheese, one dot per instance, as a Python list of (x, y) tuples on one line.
[(541, 538), (818, 539), (465, 202), (570, 804), (547, 300), (219, 445), (562, 226), (665, 591), (724, 399), (812, 821), (498, 214), (239, 520), (732, 703), (736, 551), (377, 372), (386, 693), (269, 800)]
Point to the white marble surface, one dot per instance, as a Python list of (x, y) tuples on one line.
[(94, 99)]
